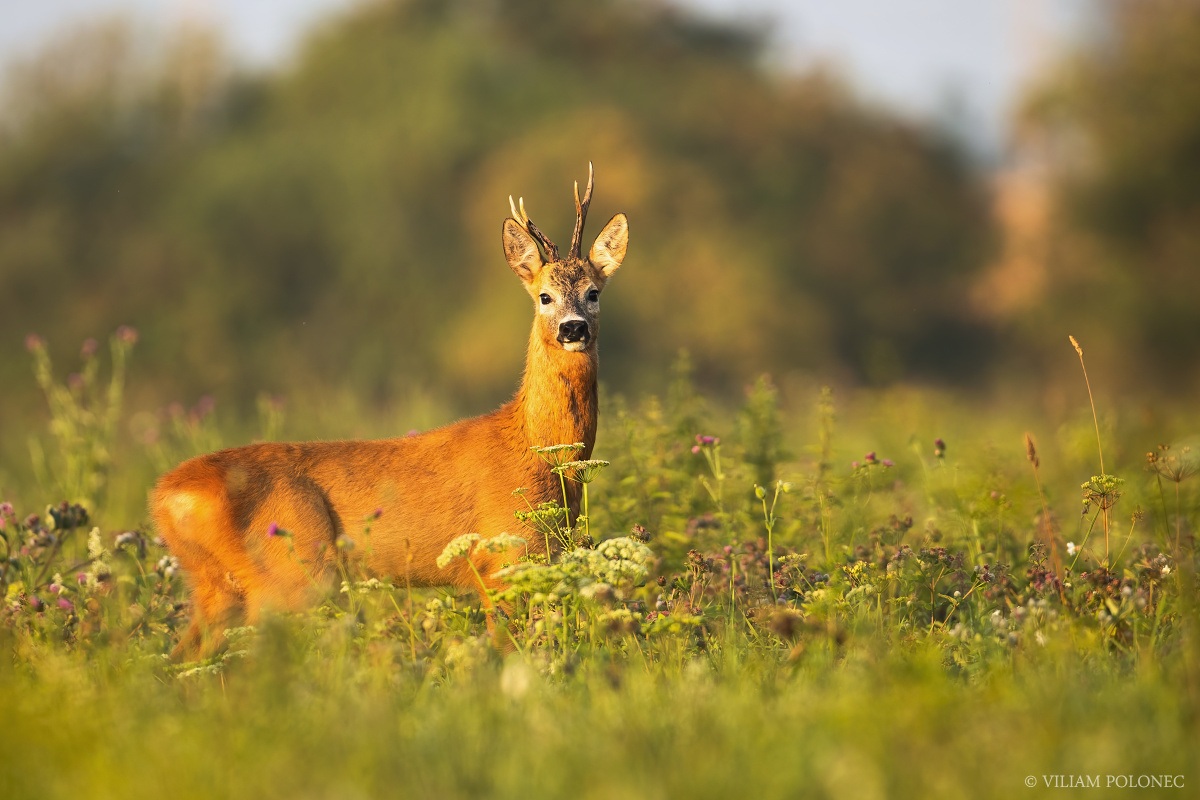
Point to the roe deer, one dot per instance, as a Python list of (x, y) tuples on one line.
[(218, 513)]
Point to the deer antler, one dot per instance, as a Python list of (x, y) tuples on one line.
[(518, 212), (581, 209)]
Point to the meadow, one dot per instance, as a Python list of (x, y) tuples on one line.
[(890, 593)]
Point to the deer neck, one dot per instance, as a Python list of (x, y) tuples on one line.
[(557, 401)]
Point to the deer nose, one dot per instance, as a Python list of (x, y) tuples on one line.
[(573, 330)]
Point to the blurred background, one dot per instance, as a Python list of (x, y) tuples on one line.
[(305, 198)]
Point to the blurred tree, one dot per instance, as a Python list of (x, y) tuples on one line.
[(337, 222), (1119, 128)]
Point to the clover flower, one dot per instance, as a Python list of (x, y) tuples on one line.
[(459, 547), (167, 566)]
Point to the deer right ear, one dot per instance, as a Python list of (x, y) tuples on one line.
[(521, 251)]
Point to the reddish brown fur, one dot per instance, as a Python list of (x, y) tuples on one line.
[(215, 511)]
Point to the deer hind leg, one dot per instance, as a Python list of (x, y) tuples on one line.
[(218, 603), (199, 532)]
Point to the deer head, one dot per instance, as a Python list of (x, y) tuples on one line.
[(565, 289)]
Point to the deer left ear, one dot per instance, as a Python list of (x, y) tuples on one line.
[(521, 251), (609, 249)]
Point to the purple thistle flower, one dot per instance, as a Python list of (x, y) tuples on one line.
[(6, 509), (695, 448), (378, 513), (887, 462), (81, 578), (870, 457), (36, 603), (273, 529), (65, 604)]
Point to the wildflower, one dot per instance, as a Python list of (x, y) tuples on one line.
[(273, 529), (1031, 452), (126, 539), (1071, 548), (869, 457), (1166, 570), (939, 448), (553, 454), (34, 343), (377, 513), (502, 543), (853, 465), (65, 604), (887, 462), (35, 603), (6, 509), (707, 441), (584, 471), (695, 449), (89, 348), (127, 335), (459, 547), (204, 406), (344, 542)]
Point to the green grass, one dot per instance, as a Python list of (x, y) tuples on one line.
[(942, 621)]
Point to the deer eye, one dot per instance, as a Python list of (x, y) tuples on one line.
[(546, 299), (593, 296)]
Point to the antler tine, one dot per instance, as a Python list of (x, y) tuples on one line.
[(522, 218), (581, 209)]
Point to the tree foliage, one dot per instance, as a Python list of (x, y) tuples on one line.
[(337, 222)]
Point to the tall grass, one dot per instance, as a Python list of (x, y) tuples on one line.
[(905, 610)]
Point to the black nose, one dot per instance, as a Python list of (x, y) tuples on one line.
[(573, 330)]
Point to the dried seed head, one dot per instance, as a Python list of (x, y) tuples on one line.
[(1075, 344), (1031, 451)]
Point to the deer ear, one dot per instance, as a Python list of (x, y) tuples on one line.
[(609, 249), (521, 251)]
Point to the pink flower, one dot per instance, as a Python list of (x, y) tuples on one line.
[(65, 604), (127, 334), (33, 342), (273, 529)]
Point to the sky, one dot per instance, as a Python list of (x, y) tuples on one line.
[(960, 62)]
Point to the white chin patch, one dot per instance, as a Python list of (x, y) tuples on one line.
[(574, 347)]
